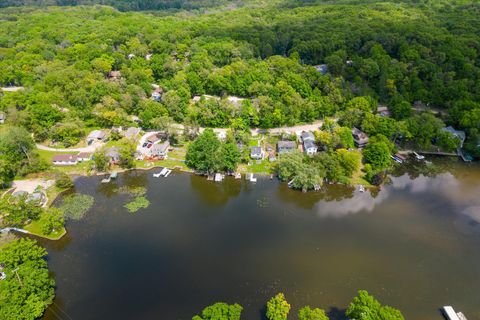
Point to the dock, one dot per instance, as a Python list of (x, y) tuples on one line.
[(251, 177), (219, 177), (450, 314), (164, 173)]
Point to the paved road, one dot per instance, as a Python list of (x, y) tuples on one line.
[(91, 148)]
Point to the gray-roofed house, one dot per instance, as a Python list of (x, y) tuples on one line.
[(322, 68), (307, 136), (132, 133), (256, 153), (2, 117), (286, 146), (113, 154), (65, 160), (360, 138), (159, 150), (96, 135), (310, 147), (84, 156), (460, 135)]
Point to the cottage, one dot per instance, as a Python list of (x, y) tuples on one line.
[(114, 75), (322, 68), (310, 147), (256, 153), (360, 138), (84, 156), (65, 160), (113, 154), (307, 136), (131, 133), (96, 135), (159, 150), (460, 135), (383, 111), (286, 146), (2, 117)]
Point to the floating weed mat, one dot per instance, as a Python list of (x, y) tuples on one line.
[(76, 206), (132, 191), (138, 203)]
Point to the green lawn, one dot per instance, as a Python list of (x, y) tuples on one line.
[(265, 167), (35, 228)]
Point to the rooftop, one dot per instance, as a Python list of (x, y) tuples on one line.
[(287, 144), (65, 158)]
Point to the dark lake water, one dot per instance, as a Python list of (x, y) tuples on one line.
[(415, 245)]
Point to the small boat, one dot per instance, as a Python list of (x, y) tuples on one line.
[(361, 188), (397, 159), (418, 156), (290, 183)]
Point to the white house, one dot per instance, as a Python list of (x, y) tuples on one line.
[(65, 160), (310, 148), (256, 153), (84, 156), (159, 150)]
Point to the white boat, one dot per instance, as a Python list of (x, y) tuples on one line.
[(418, 156), (361, 188)]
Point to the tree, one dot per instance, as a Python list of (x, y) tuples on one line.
[(366, 307), (127, 151), (52, 220), (18, 211), (231, 156), (203, 154), (221, 311), (288, 164), (401, 110), (278, 308), (27, 291), (344, 137), (63, 180), (306, 313), (7, 172), (100, 160), (378, 155), (349, 160)]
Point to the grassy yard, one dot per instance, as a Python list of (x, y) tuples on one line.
[(265, 167), (35, 228)]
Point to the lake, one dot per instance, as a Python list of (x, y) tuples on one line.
[(414, 244)]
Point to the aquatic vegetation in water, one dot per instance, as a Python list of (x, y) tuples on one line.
[(132, 191), (76, 206), (137, 204)]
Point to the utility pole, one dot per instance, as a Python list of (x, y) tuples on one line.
[(18, 277)]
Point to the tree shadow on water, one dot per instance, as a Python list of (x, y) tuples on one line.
[(335, 313)]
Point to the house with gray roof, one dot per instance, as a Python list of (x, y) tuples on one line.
[(132, 132), (286, 146), (460, 135), (309, 147), (113, 154), (307, 136), (360, 138), (256, 153), (96, 135), (159, 150)]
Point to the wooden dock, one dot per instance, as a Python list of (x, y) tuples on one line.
[(450, 314)]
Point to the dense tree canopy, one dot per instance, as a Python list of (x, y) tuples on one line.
[(221, 311), (27, 289), (366, 307)]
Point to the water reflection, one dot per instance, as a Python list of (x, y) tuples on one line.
[(217, 194)]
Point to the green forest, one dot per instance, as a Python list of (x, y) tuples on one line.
[(86, 67)]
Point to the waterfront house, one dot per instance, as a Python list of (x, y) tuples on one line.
[(256, 153), (159, 150), (65, 160), (460, 135), (310, 147), (286, 146), (360, 138), (113, 154), (96, 136), (84, 156), (2, 117)]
